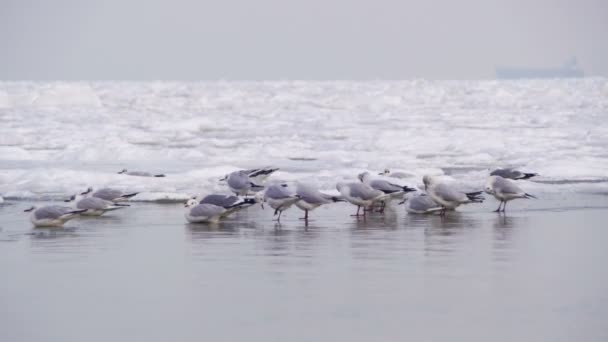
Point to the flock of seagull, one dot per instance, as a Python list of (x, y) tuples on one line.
[(370, 193)]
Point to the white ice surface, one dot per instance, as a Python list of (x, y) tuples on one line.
[(57, 138)]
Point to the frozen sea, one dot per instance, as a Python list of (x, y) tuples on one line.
[(57, 138), (143, 273)]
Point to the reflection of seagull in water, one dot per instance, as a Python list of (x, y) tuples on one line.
[(52, 215), (447, 196), (139, 173), (504, 190), (311, 198), (512, 174)]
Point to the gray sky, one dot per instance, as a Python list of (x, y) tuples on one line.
[(307, 39)]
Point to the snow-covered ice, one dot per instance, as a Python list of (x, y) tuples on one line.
[(60, 137)]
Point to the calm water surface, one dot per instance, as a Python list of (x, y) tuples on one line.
[(144, 275)]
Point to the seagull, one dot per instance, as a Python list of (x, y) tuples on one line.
[(395, 191), (280, 198), (203, 213), (398, 174), (109, 194), (361, 195), (512, 174), (94, 206), (448, 197), (311, 198), (240, 183), (256, 175), (139, 173), (504, 190), (52, 215), (422, 204), (229, 202), (260, 175)]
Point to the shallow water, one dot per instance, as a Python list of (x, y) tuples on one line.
[(142, 273)]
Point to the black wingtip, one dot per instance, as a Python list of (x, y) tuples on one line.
[(77, 211), (408, 189), (159, 176), (529, 175), (475, 196), (530, 196), (129, 195)]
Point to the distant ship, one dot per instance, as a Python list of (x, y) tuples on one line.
[(570, 69)]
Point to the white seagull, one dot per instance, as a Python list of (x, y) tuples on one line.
[(240, 183), (94, 206), (361, 195), (52, 215), (139, 173), (504, 190), (311, 198), (446, 195), (203, 213), (512, 174), (280, 198)]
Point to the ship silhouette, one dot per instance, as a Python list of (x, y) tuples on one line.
[(570, 69)]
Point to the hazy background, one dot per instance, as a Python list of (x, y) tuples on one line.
[(282, 39)]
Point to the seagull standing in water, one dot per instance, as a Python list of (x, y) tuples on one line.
[(52, 215), (229, 202), (311, 198), (361, 195), (421, 204), (94, 206), (280, 198), (504, 190), (203, 213), (447, 196), (392, 189)]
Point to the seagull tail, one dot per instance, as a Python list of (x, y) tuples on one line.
[(408, 189), (475, 196), (76, 212), (129, 195), (255, 187), (529, 175)]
